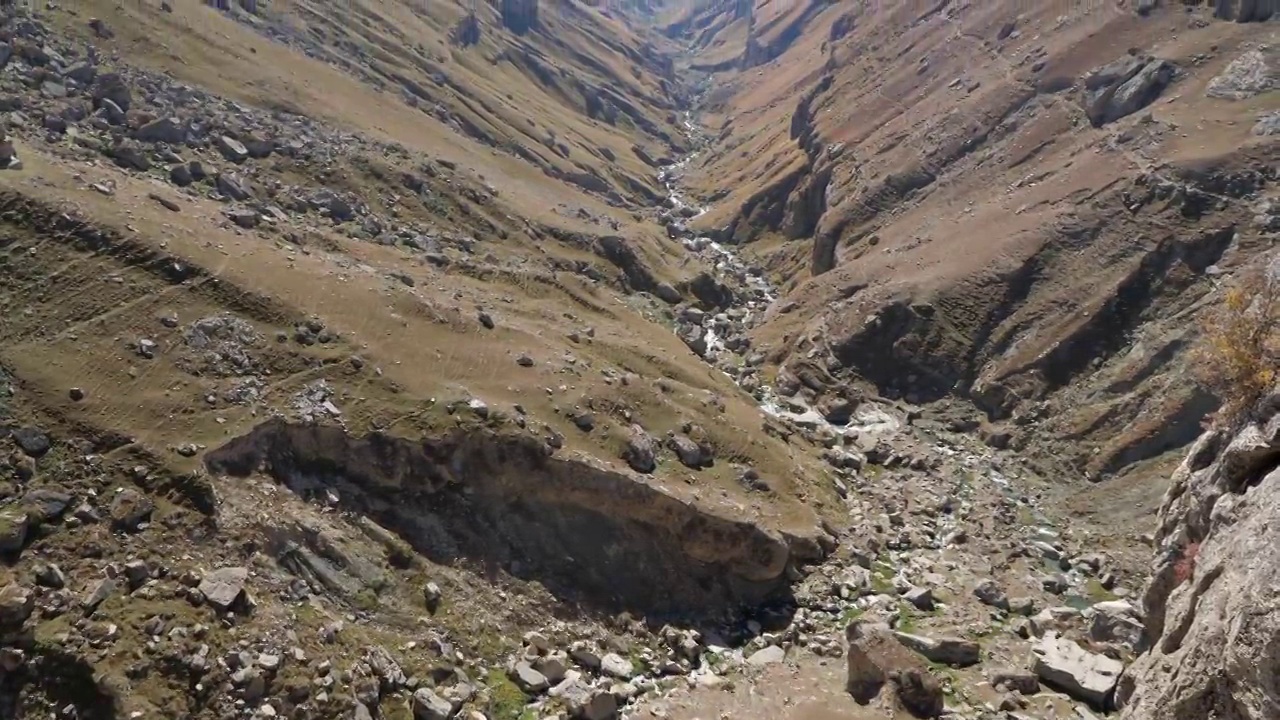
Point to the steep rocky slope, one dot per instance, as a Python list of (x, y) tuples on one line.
[(1211, 604), (1023, 208)]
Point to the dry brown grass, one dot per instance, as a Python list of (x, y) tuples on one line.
[(1241, 348)]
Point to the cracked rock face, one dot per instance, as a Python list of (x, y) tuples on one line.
[(1212, 616)]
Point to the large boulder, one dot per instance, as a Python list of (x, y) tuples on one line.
[(1124, 87), (1211, 609), (1062, 664), (882, 670), (945, 650), (1115, 621), (641, 450), (223, 588)]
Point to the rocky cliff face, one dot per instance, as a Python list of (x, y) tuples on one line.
[(527, 511), (1213, 604), (520, 16)]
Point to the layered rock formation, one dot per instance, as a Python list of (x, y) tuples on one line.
[(1213, 603)]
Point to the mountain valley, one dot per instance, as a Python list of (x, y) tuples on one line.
[(524, 359)]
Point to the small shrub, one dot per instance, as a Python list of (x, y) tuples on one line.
[(366, 600), (506, 700), (1241, 349), (1184, 568)]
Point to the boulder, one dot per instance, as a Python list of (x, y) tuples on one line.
[(232, 149), (641, 450), (14, 526), (1253, 73), (33, 441), (689, 452), (879, 665), (429, 706), (1115, 621), (98, 593), (1021, 681), (16, 605), (771, 655), (946, 650), (233, 186), (616, 666), (1062, 664), (586, 702), (223, 588), (921, 598), (163, 130), (667, 293), (130, 509), (990, 593), (694, 337), (528, 679), (112, 87), (1124, 87)]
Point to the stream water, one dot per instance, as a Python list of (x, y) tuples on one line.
[(753, 295)]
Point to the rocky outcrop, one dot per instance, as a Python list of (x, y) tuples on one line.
[(1212, 605), (1246, 10), (1124, 87), (467, 32), (519, 16), (1238, 10), (1253, 73), (597, 536)]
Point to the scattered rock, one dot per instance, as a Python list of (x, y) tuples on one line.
[(616, 666), (232, 149), (771, 655), (990, 593), (528, 679), (224, 588), (34, 442), (14, 526), (429, 706), (130, 509)]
